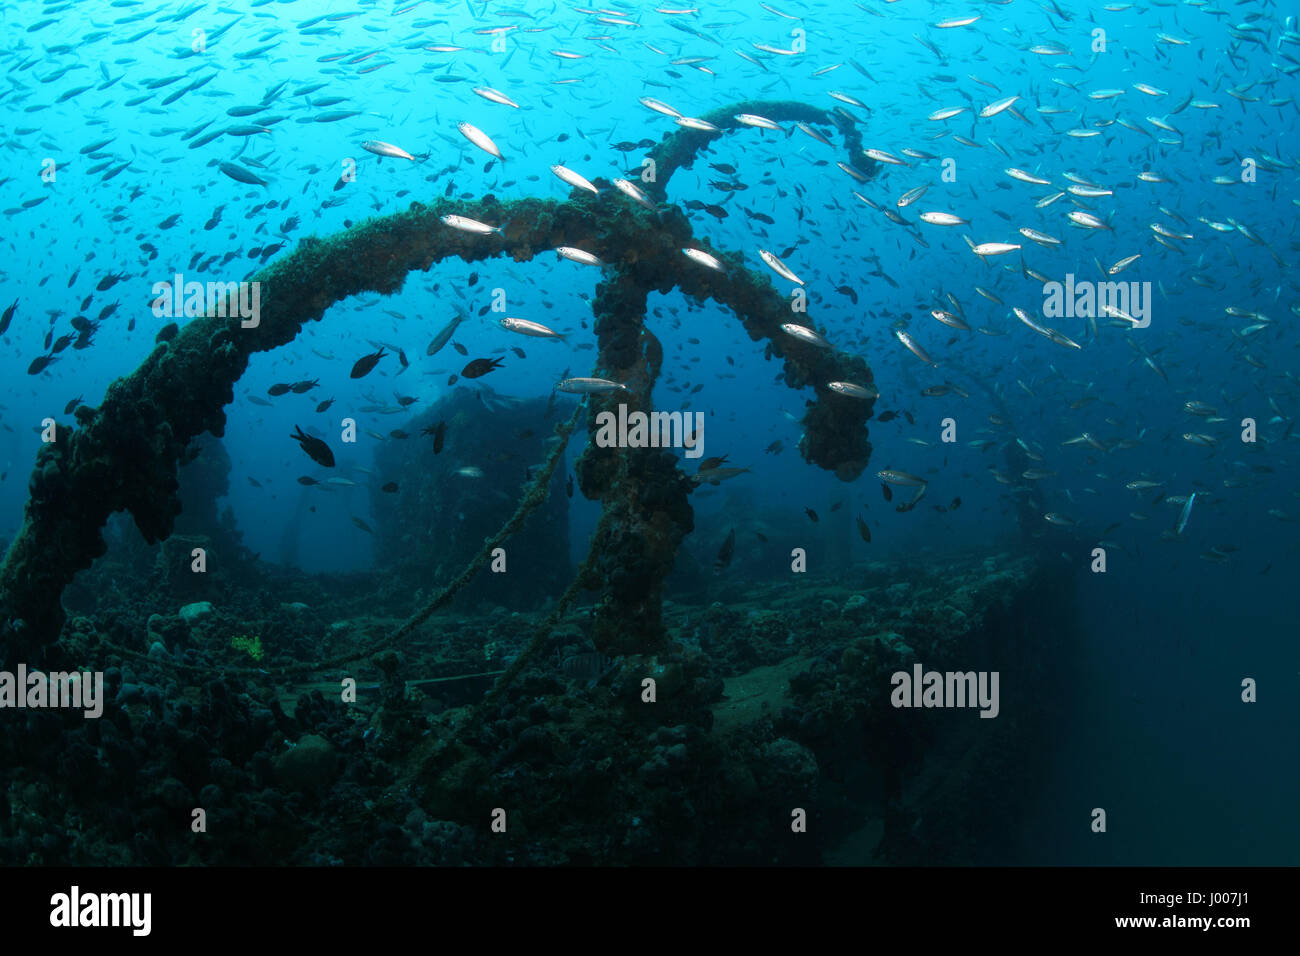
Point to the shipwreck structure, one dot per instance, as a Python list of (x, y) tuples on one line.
[(124, 454), (776, 703)]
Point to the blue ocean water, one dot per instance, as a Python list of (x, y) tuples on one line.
[(1170, 130)]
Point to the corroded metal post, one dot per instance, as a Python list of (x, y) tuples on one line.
[(644, 496)]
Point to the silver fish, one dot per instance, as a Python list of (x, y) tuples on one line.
[(465, 224), (895, 477), (911, 196), (650, 103), (1086, 219), (634, 193), (690, 122), (805, 334), (852, 390), (943, 219), (994, 248), (993, 109), (480, 139), (578, 255), (590, 386), (443, 337), (779, 267), (496, 96), (242, 175), (525, 327), (704, 259), (912, 346), (574, 179), (1185, 513), (380, 148)]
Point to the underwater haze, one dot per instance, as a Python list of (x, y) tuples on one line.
[(980, 318)]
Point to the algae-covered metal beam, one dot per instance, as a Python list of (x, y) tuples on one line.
[(124, 454), (678, 149)]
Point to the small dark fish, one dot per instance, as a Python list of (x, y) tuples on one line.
[(364, 364), (324, 405), (910, 419), (298, 388), (710, 463), (406, 400), (452, 379), (439, 433), (280, 388), (304, 480), (460, 348), (480, 367), (568, 487), (7, 317), (887, 416), (362, 525), (61, 343), (864, 531), (398, 433), (518, 351), (725, 552), (254, 482), (956, 503), (837, 506), (760, 536), (390, 487), (167, 332), (316, 449), (69, 408), (889, 495), (40, 364), (811, 514)]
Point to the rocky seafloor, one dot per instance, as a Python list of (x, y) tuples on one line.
[(774, 698)]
